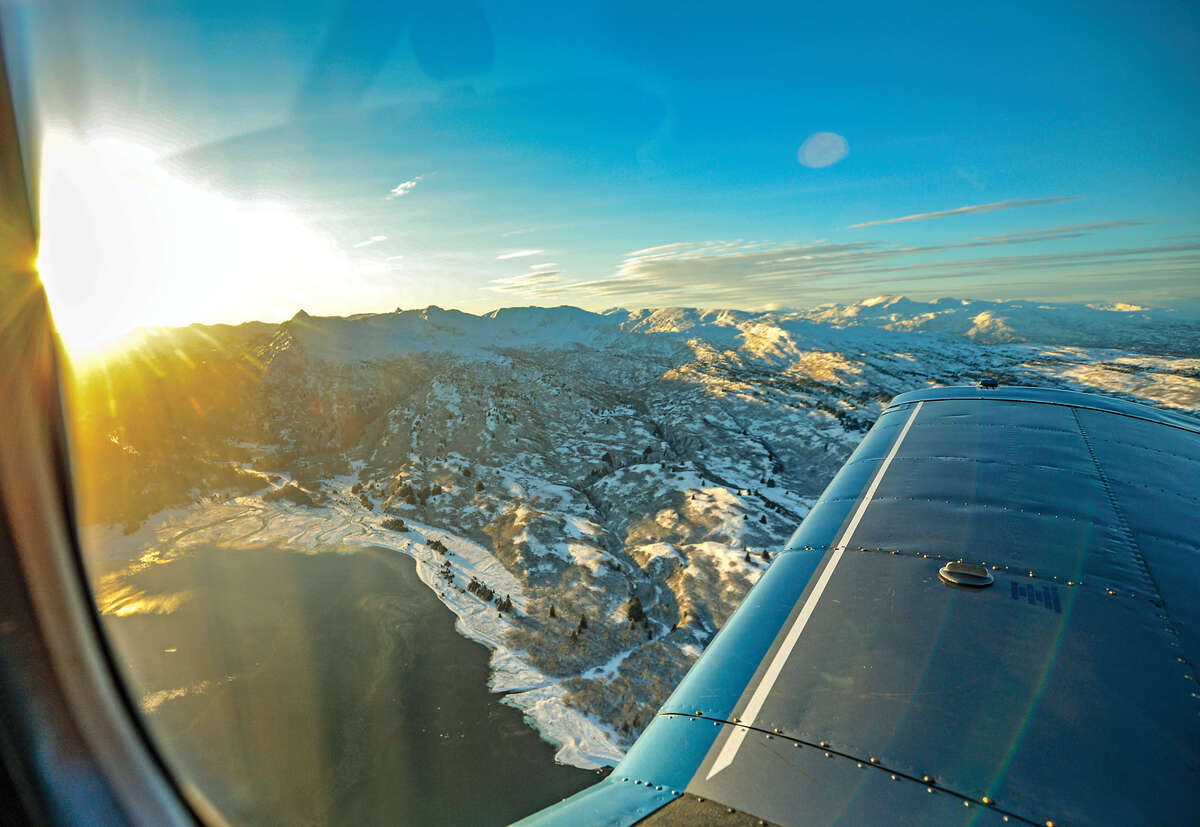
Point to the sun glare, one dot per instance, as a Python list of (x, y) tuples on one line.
[(126, 243)]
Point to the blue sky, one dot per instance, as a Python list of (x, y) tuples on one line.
[(1048, 149)]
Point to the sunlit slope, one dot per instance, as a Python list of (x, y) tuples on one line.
[(154, 420)]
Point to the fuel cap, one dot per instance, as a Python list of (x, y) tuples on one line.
[(965, 574)]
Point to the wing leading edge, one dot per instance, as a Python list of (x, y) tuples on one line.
[(854, 684)]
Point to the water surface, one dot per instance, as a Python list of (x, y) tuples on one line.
[(324, 688)]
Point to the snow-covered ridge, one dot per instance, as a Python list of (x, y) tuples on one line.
[(1088, 324), (377, 336)]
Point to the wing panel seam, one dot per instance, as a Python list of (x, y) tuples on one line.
[(1126, 532)]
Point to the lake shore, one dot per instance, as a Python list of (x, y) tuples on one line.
[(250, 522)]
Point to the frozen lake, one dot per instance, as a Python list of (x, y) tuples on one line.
[(324, 688)]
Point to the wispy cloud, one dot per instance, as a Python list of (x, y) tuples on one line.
[(665, 249), (375, 239), (970, 210), (533, 281), (1073, 229), (519, 254), (403, 188), (756, 274), (1029, 236)]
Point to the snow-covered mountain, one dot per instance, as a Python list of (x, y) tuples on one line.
[(633, 470), (380, 336), (990, 322)]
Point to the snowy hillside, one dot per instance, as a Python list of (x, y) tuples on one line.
[(623, 478)]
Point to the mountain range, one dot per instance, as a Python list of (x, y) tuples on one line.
[(591, 493)]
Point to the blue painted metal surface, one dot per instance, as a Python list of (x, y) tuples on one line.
[(1052, 396), (611, 802), (854, 685)]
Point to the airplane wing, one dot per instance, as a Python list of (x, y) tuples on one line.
[(870, 677)]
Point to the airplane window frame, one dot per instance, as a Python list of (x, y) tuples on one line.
[(71, 744)]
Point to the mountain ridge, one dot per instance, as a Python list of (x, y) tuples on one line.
[(1086, 324)]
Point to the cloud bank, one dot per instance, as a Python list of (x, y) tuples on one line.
[(748, 274)]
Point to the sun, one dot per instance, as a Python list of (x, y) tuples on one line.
[(128, 243)]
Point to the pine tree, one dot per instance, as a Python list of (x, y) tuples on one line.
[(634, 610), (582, 624), (552, 614)]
